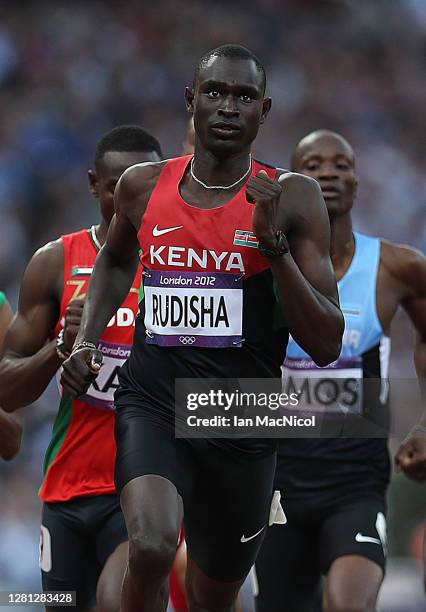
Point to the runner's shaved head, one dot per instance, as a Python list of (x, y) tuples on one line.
[(315, 138), (237, 52)]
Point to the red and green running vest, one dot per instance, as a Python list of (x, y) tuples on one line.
[(80, 458)]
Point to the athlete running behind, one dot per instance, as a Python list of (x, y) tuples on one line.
[(10, 424), (198, 221), (334, 489), (84, 538)]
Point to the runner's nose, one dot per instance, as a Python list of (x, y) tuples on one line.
[(229, 108)]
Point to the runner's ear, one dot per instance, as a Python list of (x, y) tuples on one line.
[(189, 99), (93, 183)]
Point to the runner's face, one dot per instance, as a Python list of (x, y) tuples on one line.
[(228, 105), (331, 162), (108, 170)]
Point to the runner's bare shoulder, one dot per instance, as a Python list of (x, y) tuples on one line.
[(134, 189), (303, 204), (44, 271), (403, 263), (139, 179)]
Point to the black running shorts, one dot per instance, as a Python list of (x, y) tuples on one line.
[(226, 485), (77, 537), (294, 557)]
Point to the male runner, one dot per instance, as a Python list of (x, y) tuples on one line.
[(83, 532), (411, 456), (334, 489), (177, 577), (10, 424), (196, 221)]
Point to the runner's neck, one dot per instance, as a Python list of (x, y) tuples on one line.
[(101, 231), (214, 171), (342, 244)]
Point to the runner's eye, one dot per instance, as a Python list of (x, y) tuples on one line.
[(246, 98), (311, 165), (213, 94)]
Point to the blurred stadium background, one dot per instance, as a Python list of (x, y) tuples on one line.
[(71, 71)]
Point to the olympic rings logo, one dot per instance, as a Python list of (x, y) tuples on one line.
[(187, 339)]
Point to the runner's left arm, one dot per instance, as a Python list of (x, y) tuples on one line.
[(10, 424), (5, 319), (304, 276), (411, 456), (10, 435)]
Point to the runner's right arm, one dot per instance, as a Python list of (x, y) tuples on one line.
[(112, 275), (30, 358)]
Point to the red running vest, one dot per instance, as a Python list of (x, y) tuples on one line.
[(194, 264), (80, 458)]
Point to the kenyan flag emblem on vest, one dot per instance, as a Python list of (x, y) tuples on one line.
[(245, 238)]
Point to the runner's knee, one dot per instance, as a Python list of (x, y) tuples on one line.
[(206, 601), (209, 595), (151, 555), (341, 602)]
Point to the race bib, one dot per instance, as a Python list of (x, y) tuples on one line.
[(101, 393), (193, 309), (337, 389)]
